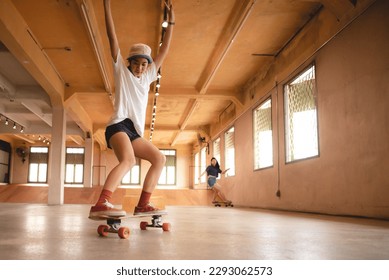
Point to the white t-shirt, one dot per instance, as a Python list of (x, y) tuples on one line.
[(131, 94)]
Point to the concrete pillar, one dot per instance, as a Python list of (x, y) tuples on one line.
[(57, 157), (88, 162)]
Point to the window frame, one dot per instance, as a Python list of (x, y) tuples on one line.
[(38, 170), (74, 165), (166, 170), (203, 164), (269, 98), (226, 157), (286, 122)]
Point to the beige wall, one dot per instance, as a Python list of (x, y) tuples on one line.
[(350, 176)]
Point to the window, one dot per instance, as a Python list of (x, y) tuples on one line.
[(203, 163), (133, 176), (229, 144), (37, 172), (168, 175), (197, 170), (263, 136), (301, 133), (5, 151), (74, 166), (216, 149)]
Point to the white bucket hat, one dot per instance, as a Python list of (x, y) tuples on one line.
[(140, 50)]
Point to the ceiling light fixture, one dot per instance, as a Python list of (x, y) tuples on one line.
[(159, 76), (8, 120)]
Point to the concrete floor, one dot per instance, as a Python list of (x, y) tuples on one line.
[(35, 231)]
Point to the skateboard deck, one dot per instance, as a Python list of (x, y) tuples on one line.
[(220, 203), (113, 224)]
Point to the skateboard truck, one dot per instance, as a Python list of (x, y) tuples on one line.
[(156, 222), (113, 226), (220, 203)]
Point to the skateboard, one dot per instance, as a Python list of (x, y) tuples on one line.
[(220, 203), (113, 224)]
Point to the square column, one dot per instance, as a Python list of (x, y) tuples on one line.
[(57, 157)]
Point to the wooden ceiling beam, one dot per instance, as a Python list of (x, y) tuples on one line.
[(339, 7), (77, 112), (95, 37), (188, 114), (212, 94), (236, 21)]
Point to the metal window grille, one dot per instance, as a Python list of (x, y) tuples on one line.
[(203, 163), (216, 149), (230, 151), (301, 132), (263, 136)]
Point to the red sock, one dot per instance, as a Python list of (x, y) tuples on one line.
[(144, 199), (105, 195)]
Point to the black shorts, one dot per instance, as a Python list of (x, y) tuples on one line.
[(126, 126)]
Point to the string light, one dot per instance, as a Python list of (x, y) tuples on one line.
[(8, 120), (43, 139), (159, 76)]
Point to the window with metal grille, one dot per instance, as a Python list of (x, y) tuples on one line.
[(229, 146), (132, 177), (197, 168), (263, 136), (37, 169), (168, 175), (216, 149), (203, 163), (301, 132), (74, 166)]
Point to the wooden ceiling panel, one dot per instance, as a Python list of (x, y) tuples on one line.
[(195, 35), (269, 27), (60, 32)]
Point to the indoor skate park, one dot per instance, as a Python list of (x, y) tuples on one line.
[(290, 96)]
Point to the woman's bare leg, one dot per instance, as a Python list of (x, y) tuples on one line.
[(145, 150), (214, 194), (124, 152), (121, 145), (217, 189)]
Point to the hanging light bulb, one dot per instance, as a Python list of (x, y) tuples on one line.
[(164, 22), (6, 121), (22, 129), (14, 127)]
